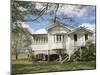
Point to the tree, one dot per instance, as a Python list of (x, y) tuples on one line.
[(21, 39), (22, 9)]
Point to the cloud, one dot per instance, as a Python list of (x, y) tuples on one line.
[(41, 31), (38, 6), (72, 10), (28, 27), (88, 26), (77, 10)]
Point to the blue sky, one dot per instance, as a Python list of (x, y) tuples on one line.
[(85, 16)]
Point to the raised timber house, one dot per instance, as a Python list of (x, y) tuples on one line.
[(59, 40)]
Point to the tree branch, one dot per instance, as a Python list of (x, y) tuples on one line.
[(55, 17), (40, 14)]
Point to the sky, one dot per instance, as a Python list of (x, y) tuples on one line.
[(83, 17)]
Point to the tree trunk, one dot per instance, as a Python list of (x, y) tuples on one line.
[(16, 57), (16, 54)]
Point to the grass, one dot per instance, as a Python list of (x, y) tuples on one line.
[(24, 66), (20, 56)]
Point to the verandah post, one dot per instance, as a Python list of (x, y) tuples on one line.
[(80, 53)]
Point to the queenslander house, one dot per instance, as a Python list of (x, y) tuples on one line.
[(59, 40)]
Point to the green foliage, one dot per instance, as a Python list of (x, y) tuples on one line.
[(20, 9), (16, 13)]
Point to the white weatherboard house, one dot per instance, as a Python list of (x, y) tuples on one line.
[(59, 38)]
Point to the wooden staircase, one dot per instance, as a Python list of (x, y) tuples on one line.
[(66, 58)]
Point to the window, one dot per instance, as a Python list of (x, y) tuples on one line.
[(86, 36), (75, 37), (40, 39), (36, 40), (59, 38), (45, 39), (63, 37)]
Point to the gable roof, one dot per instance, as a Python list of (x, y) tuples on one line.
[(54, 25), (81, 28)]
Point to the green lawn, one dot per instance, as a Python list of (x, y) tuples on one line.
[(20, 56), (25, 66)]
